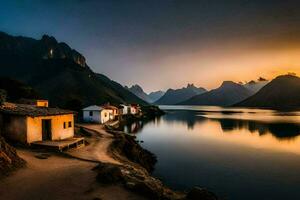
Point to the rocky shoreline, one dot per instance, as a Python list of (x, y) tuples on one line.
[(9, 159), (135, 174)]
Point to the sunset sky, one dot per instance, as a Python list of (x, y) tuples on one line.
[(162, 44)]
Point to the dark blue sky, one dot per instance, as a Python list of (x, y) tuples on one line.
[(163, 43)]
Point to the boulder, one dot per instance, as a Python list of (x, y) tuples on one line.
[(108, 174)]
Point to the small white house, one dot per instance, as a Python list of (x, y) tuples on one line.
[(96, 114), (125, 109)]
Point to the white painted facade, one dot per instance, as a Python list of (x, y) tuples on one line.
[(96, 114), (125, 110)]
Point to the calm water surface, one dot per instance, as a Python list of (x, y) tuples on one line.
[(236, 153)]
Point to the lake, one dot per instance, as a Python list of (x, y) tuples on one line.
[(236, 153)]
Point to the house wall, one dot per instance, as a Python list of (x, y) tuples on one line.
[(125, 110), (98, 116), (94, 119), (111, 114), (105, 115), (14, 127), (58, 132)]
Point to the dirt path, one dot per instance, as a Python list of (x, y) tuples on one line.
[(98, 145), (60, 178)]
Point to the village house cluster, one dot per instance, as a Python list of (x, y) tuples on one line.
[(105, 113), (34, 122)]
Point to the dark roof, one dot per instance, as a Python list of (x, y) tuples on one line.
[(31, 110)]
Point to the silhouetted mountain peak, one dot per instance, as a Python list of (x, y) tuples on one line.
[(281, 92), (227, 94), (227, 84), (286, 77), (139, 92), (174, 96), (49, 39), (190, 85), (251, 82), (137, 87)]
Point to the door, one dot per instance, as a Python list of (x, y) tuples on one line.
[(46, 129)]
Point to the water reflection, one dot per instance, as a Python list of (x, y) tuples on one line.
[(239, 154), (279, 130)]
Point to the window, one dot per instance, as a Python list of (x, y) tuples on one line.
[(105, 114), (65, 125), (70, 124), (91, 113)]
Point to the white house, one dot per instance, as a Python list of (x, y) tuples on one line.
[(126, 109), (96, 114)]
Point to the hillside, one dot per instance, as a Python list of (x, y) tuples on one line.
[(16, 90), (58, 72), (172, 96), (281, 93), (227, 94)]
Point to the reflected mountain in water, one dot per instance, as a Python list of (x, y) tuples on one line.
[(280, 130), (252, 149)]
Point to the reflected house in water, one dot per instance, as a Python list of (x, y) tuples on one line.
[(33, 123), (133, 127)]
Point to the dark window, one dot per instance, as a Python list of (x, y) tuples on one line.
[(70, 124), (65, 125), (91, 113)]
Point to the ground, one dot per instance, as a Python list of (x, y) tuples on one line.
[(55, 176)]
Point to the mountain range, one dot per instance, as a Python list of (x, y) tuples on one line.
[(172, 96), (53, 70), (255, 86), (139, 92), (227, 94), (58, 72), (154, 96), (281, 93)]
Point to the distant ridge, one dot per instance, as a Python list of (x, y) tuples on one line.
[(154, 96), (283, 92), (139, 92), (227, 94), (255, 86), (172, 97), (58, 72)]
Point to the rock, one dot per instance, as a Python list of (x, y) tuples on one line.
[(145, 190), (9, 159), (200, 194), (127, 146), (108, 174), (130, 185)]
